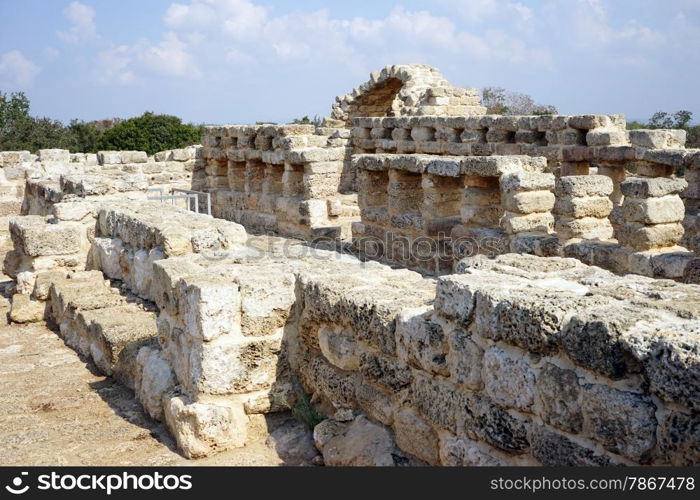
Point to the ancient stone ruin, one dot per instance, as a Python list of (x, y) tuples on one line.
[(424, 282)]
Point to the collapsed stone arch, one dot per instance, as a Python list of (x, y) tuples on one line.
[(405, 90)]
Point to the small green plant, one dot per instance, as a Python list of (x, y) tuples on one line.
[(303, 411)]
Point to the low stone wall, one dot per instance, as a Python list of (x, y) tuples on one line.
[(513, 363)]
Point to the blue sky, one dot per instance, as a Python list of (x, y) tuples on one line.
[(240, 61)]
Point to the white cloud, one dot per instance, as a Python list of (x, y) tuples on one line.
[(169, 57), (247, 28), (123, 64), (16, 70), (589, 26), (113, 66), (81, 18)]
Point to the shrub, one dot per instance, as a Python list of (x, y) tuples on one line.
[(150, 133)]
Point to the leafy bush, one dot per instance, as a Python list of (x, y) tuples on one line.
[(151, 133)]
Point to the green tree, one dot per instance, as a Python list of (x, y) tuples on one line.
[(151, 133), (84, 137)]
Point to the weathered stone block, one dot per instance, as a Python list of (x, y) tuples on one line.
[(623, 422), (464, 359), (508, 379), (555, 450), (641, 237), (588, 206), (558, 391), (593, 339), (529, 202), (583, 185), (34, 237), (415, 436), (664, 209), (421, 342), (203, 429), (644, 187)]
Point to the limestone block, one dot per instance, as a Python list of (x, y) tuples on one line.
[(593, 340), (43, 281), (669, 208), (529, 202), (640, 237), (112, 329), (209, 307), (658, 139), (590, 228), (623, 422), (643, 187), (558, 390), (492, 423), (73, 210), (439, 401), (34, 237), (587, 206), (54, 155), (133, 157), (267, 299), (385, 372), (26, 310), (106, 255), (361, 444), (526, 181), (508, 380), (203, 429), (555, 450), (534, 222), (463, 452), (583, 185), (156, 379), (109, 157), (464, 359), (669, 354), (677, 439), (606, 137), (415, 436), (421, 342), (328, 383), (226, 364), (376, 403)]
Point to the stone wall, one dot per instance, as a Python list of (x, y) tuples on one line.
[(288, 179), (514, 362), (406, 90)]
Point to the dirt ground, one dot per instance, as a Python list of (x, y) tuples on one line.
[(56, 409)]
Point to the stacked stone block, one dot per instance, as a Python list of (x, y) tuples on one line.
[(288, 178), (399, 90), (528, 200), (653, 213), (582, 208)]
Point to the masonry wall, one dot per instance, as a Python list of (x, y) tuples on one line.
[(516, 362), (289, 179)]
